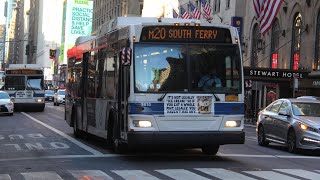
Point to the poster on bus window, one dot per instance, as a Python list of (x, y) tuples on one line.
[(188, 104)]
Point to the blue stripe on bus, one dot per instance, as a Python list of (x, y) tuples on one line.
[(148, 108), (158, 108), (229, 108)]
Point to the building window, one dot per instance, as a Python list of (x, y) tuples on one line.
[(227, 4), (216, 6), (254, 45), (296, 42), (275, 44), (317, 50)]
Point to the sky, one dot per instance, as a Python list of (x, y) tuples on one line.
[(2, 18)]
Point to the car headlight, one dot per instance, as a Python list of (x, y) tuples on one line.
[(142, 123), (306, 127), (232, 123)]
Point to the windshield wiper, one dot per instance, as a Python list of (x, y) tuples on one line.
[(31, 88), (215, 96), (163, 96)]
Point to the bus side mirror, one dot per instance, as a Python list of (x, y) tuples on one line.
[(126, 56)]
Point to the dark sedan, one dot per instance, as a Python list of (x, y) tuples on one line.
[(49, 94)]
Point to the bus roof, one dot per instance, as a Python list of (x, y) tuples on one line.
[(24, 66)]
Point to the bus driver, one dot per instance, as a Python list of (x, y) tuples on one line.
[(209, 80)]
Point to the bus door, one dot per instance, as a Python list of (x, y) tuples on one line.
[(124, 90), (84, 119)]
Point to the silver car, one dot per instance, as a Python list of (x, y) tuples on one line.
[(292, 122)]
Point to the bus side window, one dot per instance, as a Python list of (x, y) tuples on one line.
[(110, 78)]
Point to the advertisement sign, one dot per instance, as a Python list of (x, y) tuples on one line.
[(78, 22), (188, 104)]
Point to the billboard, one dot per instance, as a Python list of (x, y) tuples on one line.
[(77, 22)]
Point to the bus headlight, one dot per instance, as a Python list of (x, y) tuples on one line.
[(39, 100), (232, 123), (142, 123)]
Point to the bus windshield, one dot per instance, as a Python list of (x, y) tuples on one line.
[(34, 83), (187, 68), (14, 83)]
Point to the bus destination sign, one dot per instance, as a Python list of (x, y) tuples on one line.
[(185, 34), (23, 71)]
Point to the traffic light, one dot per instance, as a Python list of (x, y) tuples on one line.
[(34, 50), (52, 53), (27, 49)]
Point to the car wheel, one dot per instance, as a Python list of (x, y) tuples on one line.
[(292, 142), (262, 137), (210, 150)]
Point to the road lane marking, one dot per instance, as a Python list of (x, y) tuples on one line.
[(90, 174), (46, 175), (181, 174), (270, 175), (78, 143), (223, 174), (5, 177), (160, 155), (301, 173), (135, 175)]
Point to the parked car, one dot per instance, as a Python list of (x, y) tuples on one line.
[(49, 95), (59, 97), (309, 97), (6, 103), (292, 122)]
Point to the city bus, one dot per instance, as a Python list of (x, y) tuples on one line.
[(149, 82), (25, 83)]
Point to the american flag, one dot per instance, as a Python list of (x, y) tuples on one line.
[(175, 14), (206, 9), (184, 14), (195, 13), (266, 11)]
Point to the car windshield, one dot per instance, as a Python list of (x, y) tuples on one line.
[(4, 96), (306, 109), (62, 92), (187, 68), (49, 92)]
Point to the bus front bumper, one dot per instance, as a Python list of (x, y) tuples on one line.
[(184, 139)]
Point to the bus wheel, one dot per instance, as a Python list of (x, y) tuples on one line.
[(210, 150), (118, 146), (76, 131)]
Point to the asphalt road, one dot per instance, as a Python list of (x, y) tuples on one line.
[(40, 145)]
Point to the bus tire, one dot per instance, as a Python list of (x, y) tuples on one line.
[(118, 146), (110, 128), (76, 131), (210, 150)]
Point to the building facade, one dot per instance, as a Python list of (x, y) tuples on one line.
[(105, 10), (48, 35), (284, 62)]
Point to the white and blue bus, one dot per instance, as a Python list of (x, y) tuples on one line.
[(158, 82), (25, 83)]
